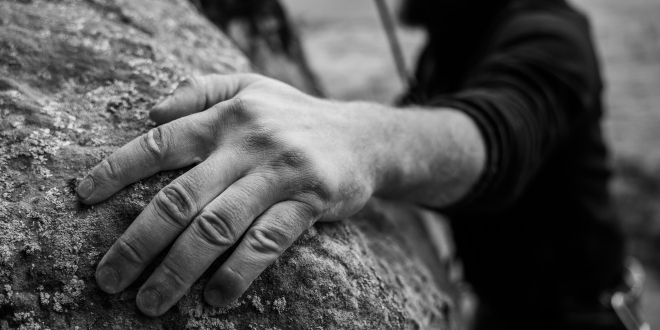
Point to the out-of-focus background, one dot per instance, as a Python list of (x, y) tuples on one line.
[(347, 49)]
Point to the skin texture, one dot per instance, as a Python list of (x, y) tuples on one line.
[(269, 161)]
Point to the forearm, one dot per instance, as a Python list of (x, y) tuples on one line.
[(427, 156)]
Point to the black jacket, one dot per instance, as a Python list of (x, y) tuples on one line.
[(539, 227)]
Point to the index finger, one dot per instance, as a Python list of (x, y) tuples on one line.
[(166, 147), (199, 93)]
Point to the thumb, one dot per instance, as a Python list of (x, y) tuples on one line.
[(200, 93)]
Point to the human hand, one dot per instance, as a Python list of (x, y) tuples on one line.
[(270, 162)]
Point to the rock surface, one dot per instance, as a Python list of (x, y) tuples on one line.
[(76, 81)]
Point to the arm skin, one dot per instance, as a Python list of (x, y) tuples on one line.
[(271, 161)]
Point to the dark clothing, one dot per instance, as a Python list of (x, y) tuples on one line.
[(539, 229)]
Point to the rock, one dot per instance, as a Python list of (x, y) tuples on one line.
[(76, 81)]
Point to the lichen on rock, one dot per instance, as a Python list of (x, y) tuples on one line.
[(76, 81)]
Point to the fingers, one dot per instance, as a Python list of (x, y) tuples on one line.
[(166, 147), (175, 145), (198, 94), (164, 218), (262, 244), (217, 227)]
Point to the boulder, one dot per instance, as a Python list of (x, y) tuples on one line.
[(76, 81)]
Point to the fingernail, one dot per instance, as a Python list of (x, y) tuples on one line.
[(149, 301), (107, 278), (213, 297), (85, 188)]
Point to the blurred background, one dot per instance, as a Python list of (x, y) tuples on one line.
[(346, 48)]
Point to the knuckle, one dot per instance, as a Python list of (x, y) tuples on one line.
[(235, 112), (316, 187), (269, 241), (111, 169), (294, 163), (174, 274), (153, 144), (258, 139), (238, 107), (262, 180), (307, 179), (195, 85), (215, 228), (293, 158), (175, 204), (311, 209), (129, 252)]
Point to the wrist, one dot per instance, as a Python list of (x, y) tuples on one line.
[(428, 156)]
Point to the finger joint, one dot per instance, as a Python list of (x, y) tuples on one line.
[(215, 228), (152, 144), (175, 275), (238, 274), (174, 203), (112, 169), (129, 252), (268, 241)]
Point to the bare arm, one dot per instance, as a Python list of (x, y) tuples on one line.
[(429, 156), (271, 161)]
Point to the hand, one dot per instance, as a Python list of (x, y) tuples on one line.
[(270, 162)]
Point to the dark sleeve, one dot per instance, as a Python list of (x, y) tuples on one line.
[(533, 87)]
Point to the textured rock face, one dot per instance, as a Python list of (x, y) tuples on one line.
[(76, 80)]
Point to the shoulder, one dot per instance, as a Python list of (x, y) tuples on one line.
[(535, 21), (550, 36)]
